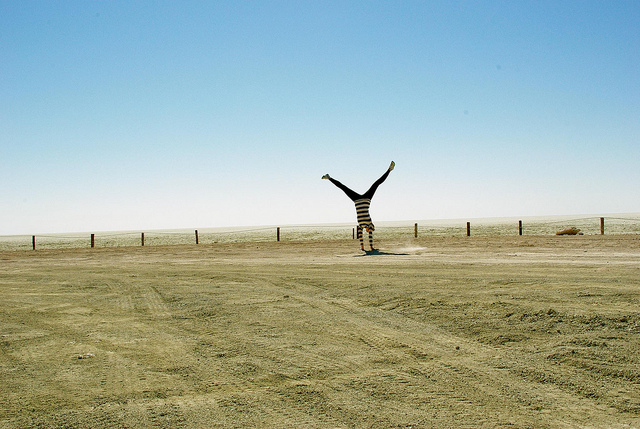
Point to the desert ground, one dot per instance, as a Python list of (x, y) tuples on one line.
[(430, 332)]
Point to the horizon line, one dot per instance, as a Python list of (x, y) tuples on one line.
[(258, 227)]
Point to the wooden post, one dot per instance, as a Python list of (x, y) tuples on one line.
[(93, 241), (601, 226), (468, 229), (197, 239), (353, 233), (415, 230), (142, 238), (33, 241), (520, 227), (278, 233)]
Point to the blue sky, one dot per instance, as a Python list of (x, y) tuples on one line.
[(142, 115)]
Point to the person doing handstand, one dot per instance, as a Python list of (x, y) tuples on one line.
[(362, 204)]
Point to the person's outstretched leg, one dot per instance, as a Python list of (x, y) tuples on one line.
[(350, 193), (374, 187)]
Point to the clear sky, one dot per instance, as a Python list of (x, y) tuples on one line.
[(120, 115)]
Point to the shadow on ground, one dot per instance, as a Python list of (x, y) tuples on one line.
[(378, 252)]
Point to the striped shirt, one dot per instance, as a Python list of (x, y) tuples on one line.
[(362, 210)]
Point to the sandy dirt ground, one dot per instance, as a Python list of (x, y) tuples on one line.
[(525, 332)]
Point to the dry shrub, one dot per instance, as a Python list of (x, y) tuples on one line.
[(569, 231)]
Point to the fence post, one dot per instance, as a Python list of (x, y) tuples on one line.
[(520, 227), (353, 233), (415, 230), (197, 239), (601, 226), (142, 238), (93, 241), (278, 234), (33, 241), (468, 229)]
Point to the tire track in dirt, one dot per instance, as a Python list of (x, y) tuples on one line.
[(271, 380), (468, 374), (329, 370), (483, 373), (138, 297), (243, 384), (119, 293)]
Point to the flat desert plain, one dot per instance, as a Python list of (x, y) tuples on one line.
[(526, 332)]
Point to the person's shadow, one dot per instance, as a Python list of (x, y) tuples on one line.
[(378, 252)]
